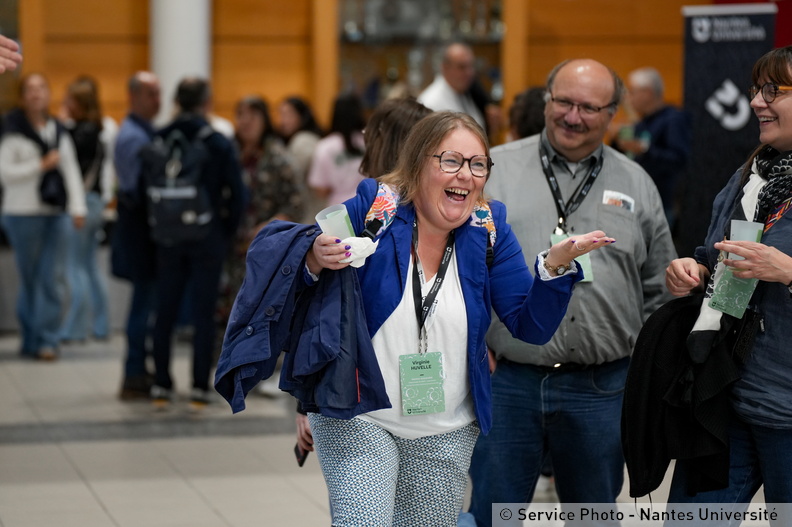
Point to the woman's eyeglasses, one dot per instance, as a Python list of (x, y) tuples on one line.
[(451, 162), (769, 91)]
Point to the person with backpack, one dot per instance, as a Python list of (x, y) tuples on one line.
[(195, 198), (35, 149), (389, 358)]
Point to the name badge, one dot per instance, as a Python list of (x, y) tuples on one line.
[(422, 383), (583, 261), (732, 294)]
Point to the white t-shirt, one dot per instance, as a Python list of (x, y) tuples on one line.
[(447, 333)]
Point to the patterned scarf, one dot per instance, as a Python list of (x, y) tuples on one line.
[(776, 168)]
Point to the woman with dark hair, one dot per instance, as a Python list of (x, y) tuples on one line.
[(87, 314), (275, 191), (334, 174), (34, 146), (299, 130), (759, 420)]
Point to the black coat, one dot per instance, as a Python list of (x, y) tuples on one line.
[(675, 408)]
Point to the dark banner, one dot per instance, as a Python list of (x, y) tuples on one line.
[(722, 42)]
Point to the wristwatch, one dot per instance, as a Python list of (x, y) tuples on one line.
[(558, 269)]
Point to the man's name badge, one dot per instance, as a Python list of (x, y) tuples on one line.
[(422, 383), (583, 261)]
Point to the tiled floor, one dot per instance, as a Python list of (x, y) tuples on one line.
[(73, 455)]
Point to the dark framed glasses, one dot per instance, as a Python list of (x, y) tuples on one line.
[(452, 162), (769, 91), (565, 105)]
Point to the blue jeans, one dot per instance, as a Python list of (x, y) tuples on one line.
[(36, 241), (87, 313), (758, 456), (573, 415)]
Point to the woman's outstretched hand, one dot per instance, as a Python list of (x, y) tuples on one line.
[(563, 252)]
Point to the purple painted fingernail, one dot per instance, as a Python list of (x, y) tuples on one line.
[(572, 241), (337, 240), (348, 255), (595, 241), (348, 247)]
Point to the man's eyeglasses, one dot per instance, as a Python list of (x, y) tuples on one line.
[(451, 162), (769, 91), (584, 108)]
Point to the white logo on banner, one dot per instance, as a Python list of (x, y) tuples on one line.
[(725, 29), (729, 95), (701, 29)]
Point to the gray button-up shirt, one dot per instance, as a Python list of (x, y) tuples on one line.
[(604, 316)]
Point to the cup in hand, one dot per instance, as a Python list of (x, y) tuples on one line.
[(334, 220), (742, 230)]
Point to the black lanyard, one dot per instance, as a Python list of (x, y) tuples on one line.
[(422, 308), (565, 209)]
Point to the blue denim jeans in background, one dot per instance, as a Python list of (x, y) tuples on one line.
[(758, 456), (573, 415), (36, 242), (87, 311)]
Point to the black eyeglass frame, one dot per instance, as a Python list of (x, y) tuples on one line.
[(439, 157), (584, 108), (765, 89)]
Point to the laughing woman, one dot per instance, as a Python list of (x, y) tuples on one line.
[(427, 293)]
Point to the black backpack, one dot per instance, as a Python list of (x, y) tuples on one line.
[(179, 208)]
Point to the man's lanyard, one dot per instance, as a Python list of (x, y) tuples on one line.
[(423, 308), (565, 209)]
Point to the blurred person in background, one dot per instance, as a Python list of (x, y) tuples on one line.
[(133, 255), (87, 313), (334, 173), (35, 145), (275, 192), (298, 128), (526, 114), (660, 140)]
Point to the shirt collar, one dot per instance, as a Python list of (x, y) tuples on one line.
[(555, 157)]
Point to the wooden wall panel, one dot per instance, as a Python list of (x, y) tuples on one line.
[(254, 19), (270, 69), (271, 47), (110, 63), (96, 19)]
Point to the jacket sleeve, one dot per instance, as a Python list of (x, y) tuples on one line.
[(19, 159), (531, 309), (72, 176), (260, 319)]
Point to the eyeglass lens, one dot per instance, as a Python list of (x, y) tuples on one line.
[(452, 162), (769, 91)]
